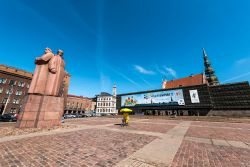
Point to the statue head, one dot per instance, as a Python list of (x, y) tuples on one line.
[(47, 50), (60, 53)]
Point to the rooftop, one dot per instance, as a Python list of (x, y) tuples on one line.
[(15, 71), (197, 79)]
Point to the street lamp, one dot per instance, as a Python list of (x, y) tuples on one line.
[(11, 91)]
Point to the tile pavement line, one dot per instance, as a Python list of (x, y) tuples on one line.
[(155, 123), (219, 142), (160, 152), (132, 131), (80, 127), (205, 126), (35, 134)]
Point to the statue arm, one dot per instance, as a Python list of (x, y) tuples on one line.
[(44, 57), (52, 65)]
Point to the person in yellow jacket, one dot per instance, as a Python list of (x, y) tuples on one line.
[(125, 119)]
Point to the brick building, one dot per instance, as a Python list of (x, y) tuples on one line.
[(78, 105), (14, 85), (66, 82), (198, 79)]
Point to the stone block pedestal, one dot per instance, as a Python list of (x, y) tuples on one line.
[(41, 111)]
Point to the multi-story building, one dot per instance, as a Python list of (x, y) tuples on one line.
[(14, 85), (106, 103), (66, 82), (78, 105)]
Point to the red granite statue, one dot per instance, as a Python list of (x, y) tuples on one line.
[(44, 106), (40, 76), (56, 74)]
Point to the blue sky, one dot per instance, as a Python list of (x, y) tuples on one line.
[(132, 43)]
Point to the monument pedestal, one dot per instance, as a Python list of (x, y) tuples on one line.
[(41, 111)]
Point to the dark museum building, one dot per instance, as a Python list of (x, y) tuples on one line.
[(200, 94), (225, 99)]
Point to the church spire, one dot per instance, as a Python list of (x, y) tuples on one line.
[(114, 90), (209, 71)]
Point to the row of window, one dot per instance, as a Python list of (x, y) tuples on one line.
[(15, 101), (104, 104), (10, 91), (103, 99), (13, 82), (105, 110), (77, 105)]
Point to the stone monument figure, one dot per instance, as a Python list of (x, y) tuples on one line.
[(56, 74), (43, 106), (39, 79)]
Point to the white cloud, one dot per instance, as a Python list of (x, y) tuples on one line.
[(243, 61), (162, 72), (170, 71), (237, 77), (143, 70), (125, 77)]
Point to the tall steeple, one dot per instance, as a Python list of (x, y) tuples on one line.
[(164, 83), (114, 90), (209, 71)]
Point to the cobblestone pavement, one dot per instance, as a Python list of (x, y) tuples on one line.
[(145, 142), (146, 127), (220, 133), (90, 147), (199, 154)]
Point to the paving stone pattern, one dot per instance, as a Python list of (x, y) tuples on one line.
[(91, 147), (223, 125), (98, 142), (146, 127), (220, 133), (193, 154)]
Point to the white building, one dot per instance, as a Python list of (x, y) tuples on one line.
[(106, 103)]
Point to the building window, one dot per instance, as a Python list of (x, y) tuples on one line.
[(9, 91), (15, 101), (21, 84), (11, 82), (5, 100), (13, 110), (3, 80), (19, 92), (1, 90)]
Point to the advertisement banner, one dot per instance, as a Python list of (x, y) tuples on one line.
[(169, 97), (194, 96)]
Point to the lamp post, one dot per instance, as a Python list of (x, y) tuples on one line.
[(5, 106)]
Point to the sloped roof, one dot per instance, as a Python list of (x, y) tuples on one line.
[(197, 79), (105, 94)]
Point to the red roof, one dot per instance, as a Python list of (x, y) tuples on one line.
[(197, 79), (69, 95)]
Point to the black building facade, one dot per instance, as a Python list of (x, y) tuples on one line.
[(226, 99)]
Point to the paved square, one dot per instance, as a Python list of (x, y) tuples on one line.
[(145, 142)]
